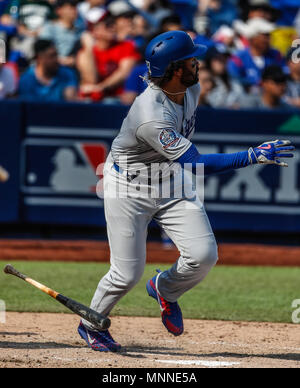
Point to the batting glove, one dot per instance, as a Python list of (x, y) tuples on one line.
[(271, 152)]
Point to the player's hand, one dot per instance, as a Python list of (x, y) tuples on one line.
[(272, 152)]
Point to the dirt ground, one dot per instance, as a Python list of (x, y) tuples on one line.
[(94, 251), (51, 341)]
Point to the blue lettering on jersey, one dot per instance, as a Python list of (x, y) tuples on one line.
[(189, 126)]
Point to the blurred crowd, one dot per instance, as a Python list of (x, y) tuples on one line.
[(92, 50)]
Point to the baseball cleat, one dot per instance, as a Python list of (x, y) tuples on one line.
[(170, 312), (101, 341)]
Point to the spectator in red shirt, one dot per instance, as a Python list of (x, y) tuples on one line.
[(104, 63)]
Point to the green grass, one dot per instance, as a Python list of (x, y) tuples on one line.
[(228, 293)]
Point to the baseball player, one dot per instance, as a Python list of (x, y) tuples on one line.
[(158, 131)]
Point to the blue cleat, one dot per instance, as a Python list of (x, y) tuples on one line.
[(101, 341), (170, 312)]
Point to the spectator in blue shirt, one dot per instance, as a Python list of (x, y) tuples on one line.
[(247, 65), (47, 80)]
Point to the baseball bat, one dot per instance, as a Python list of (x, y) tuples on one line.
[(4, 175), (99, 321)]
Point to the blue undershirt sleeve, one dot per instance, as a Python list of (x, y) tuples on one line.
[(214, 163)]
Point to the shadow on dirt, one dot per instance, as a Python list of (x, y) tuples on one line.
[(37, 345), (141, 352), (278, 356), (8, 333)]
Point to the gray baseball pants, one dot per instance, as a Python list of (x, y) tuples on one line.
[(185, 222)]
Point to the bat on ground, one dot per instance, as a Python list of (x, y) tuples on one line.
[(99, 321), (4, 175)]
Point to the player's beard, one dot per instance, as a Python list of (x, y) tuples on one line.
[(189, 78)]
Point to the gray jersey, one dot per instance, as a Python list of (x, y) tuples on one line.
[(156, 129)]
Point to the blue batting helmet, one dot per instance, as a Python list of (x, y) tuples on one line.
[(170, 47)]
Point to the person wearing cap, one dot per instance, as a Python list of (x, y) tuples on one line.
[(28, 16), (246, 66), (273, 89), (64, 31), (91, 11), (283, 12), (226, 36)]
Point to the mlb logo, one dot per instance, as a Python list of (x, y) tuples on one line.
[(63, 166)]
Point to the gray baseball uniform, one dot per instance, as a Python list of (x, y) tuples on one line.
[(156, 130)]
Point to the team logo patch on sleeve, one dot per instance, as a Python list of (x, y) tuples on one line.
[(168, 138)]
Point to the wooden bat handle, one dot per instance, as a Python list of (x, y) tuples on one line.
[(9, 269)]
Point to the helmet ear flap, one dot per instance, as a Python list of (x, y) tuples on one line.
[(167, 76)]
